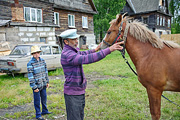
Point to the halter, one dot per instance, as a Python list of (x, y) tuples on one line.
[(117, 38)]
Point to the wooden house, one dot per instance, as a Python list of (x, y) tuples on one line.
[(154, 13), (34, 21), (76, 14)]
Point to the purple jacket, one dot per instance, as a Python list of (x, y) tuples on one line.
[(72, 60)]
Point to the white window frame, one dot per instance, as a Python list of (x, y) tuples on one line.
[(84, 22), (160, 22), (163, 21), (157, 19), (56, 18), (36, 15), (169, 23), (71, 22)]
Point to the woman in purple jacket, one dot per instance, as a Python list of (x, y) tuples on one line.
[(72, 60)]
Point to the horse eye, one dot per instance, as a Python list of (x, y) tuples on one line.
[(109, 32)]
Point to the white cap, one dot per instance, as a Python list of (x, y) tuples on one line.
[(71, 33)]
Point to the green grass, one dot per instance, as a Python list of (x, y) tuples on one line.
[(110, 99)]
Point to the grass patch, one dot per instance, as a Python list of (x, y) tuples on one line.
[(56, 72), (110, 99)]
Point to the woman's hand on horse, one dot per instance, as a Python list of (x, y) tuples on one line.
[(98, 47), (116, 46)]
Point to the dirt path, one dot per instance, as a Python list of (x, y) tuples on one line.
[(29, 106)]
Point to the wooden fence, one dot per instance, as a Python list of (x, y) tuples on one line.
[(172, 37)]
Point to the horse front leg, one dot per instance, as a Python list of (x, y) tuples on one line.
[(154, 96)]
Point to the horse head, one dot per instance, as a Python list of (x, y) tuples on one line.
[(114, 32)]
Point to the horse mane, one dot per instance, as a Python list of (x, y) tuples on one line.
[(140, 31)]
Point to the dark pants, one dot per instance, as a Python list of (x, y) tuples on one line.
[(75, 106), (40, 96)]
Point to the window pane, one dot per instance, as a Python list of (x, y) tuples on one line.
[(27, 14), (21, 50), (84, 22), (157, 20), (39, 15), (33, 14), (163, 21), (145, 20), (56, 18), (43, 39), (160, 20), (73, 20), (69, 20), (55, 50), (169, 25), (45, 50)]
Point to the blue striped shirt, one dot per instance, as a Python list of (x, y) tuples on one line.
[(37, 73)]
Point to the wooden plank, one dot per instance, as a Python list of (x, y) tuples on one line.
[(172, 37)]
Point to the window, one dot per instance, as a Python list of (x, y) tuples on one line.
[(163, 21), (157, 19), (32, 14), (160, 20), (85, 1), (43, 39), (84, 22), (55, 50), (21, 50), (145, 20), (56, 18), (71, 21), (46, 50), (169, 23)]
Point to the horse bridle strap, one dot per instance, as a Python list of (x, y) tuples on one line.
[(125, 33), (117, 38), (123, 50)]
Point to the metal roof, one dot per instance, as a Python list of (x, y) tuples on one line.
[(141, 6)]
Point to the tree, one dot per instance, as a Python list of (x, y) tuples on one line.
[(175, 11), (107, 10)]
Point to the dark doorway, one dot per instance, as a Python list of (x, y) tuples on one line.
[(82, 42)]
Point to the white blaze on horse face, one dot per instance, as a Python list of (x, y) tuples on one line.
[(103, 46)]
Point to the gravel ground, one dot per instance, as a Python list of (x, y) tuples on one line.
[(29, 106)]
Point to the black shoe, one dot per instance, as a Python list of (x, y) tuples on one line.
[(46, 113), (40, 118)]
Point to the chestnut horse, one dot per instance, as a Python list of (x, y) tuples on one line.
[(157, 62)]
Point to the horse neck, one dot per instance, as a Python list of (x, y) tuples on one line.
[(136, 49)]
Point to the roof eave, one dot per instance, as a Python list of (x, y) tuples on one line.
[(151, 12), (74, 9), (93, 6)]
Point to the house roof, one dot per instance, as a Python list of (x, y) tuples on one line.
[(144, 5), (92, 5), (76, 7)]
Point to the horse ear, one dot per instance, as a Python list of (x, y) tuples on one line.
[(118, 18)]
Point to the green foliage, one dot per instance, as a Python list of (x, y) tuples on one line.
[(107, 10), (175, 11)]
